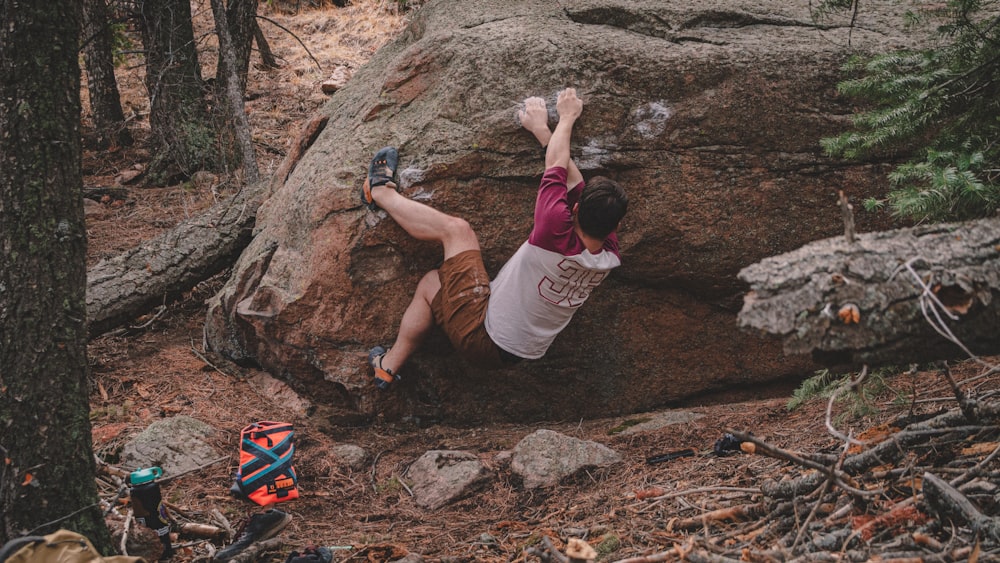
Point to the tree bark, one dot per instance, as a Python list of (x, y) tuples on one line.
[(185, 141), (160, 270), (105, 101), (47, 476), (241, 16), (135, 282), (894, 297), (233, 108), (266, 56), (947, 503)]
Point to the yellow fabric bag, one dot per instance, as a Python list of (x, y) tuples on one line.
[(62, 546)]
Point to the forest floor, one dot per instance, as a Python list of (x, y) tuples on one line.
[(157, 368)]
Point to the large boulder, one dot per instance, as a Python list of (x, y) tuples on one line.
[(709, 113)]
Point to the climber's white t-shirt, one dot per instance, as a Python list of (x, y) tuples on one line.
[(537, 291)]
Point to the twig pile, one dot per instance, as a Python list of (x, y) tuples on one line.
[(926, 491)]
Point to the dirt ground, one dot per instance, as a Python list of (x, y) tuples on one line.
[(157, 368)]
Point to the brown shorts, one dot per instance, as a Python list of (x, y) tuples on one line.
[(460, 307)]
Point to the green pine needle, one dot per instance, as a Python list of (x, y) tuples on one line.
[(941, 106)]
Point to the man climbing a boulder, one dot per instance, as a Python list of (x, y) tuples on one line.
[(571, 249)]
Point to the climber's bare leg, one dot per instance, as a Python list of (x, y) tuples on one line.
[(423, 222)]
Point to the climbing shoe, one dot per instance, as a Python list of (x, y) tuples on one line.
[(384, 378), (381, 170), (311, 555), (260, 527)]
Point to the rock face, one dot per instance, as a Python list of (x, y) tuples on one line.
[(709, 114)]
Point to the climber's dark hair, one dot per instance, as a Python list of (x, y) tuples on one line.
[(602, 206)]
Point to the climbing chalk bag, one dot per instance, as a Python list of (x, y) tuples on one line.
[(266, 475)]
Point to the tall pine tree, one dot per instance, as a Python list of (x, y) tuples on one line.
[(46, 459), (938, 106)]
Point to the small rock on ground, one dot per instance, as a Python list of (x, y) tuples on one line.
[(545, 457), (175, 444), (441, 477)]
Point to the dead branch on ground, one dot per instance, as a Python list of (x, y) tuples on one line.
[(873, 498)]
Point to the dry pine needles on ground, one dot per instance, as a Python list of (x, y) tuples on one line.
[(924, 489)]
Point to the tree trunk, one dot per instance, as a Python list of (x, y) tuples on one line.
[(47, 479), (105, 101), (135, 282), (241, 18), (184, 139), (894, 297), (232, 108), (266, 56)]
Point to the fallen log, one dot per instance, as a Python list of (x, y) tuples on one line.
[(908, 295), (162, 269)]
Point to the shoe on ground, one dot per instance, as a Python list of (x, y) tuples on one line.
[(311, 555), (260, 527)]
